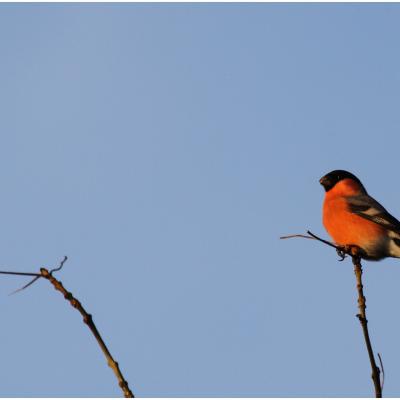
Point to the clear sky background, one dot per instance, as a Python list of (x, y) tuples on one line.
[(164, 149)]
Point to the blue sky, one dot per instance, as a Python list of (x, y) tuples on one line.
[(165, 148)]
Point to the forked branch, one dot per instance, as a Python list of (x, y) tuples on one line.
[(87, 318)]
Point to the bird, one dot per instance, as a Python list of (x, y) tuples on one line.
[(353, 218)]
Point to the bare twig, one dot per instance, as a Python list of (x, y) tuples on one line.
[(87, 318), (382, 370), (364, 324), (297, 236), (325, 241), (37, 276), (27, 285), (63, 261), (355, 253), (314, 237), (20, 273), (342, 251)]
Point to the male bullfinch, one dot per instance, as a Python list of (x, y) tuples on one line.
[(352, 217)]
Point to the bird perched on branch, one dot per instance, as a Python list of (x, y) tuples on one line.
[(353, 218)]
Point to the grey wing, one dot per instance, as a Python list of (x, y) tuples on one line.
[(368, 208)]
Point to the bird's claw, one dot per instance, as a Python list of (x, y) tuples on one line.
[(351, 250), (341, 253)]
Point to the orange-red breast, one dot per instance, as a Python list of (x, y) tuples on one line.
[(352, 217)]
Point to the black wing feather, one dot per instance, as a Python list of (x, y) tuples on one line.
[(368, 208)]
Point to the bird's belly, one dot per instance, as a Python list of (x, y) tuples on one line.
[(347, 228)]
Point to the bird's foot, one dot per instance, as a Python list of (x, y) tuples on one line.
[(348, 249), (341, 252)]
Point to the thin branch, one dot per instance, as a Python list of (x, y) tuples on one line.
[(325, 241), (341, 250), (364, 324), (88, 320), (37, 276), (355, 253), (27, 285), (20, 273), (295, 236), (314, 237), (60, 266), (383, 371)]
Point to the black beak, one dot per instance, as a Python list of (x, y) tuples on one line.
[(325, 181)]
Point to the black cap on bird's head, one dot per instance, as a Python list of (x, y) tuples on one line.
[(329, 180)]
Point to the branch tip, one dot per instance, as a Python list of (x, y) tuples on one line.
[(63, 261)]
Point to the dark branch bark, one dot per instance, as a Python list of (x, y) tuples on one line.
[(87, 318), (364, 324)]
